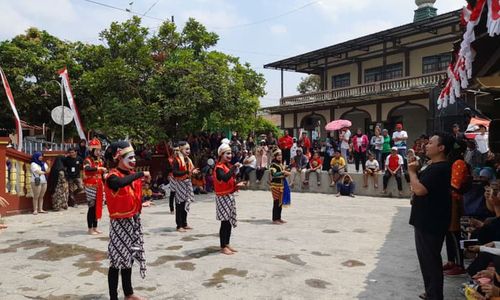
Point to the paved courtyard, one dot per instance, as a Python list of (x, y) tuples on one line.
[(331, 248)]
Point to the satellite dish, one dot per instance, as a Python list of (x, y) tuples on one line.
[(57, 115)]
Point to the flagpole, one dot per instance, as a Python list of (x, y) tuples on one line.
[(62, 114)]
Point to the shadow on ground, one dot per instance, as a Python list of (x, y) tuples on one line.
[(397, 274)]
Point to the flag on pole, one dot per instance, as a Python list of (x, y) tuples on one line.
[(10, 97), (63, 73)]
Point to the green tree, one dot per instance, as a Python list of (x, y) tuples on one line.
[(142, 85), (309, 84)]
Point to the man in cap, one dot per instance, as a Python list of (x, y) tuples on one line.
[(393, 166)]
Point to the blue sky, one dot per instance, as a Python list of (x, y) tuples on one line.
[(257, 31)]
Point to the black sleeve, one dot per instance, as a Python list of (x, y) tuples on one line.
[(90, 169), (175, 170), (114, 182), (219, 173)]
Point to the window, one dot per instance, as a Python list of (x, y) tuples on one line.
[(342, 80), (436, 63), (393, 71), (381, 73)]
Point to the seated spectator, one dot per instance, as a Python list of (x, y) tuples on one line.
[(249, 165), (147, 194), (208, 173), (394, 164), (372, 169), (198, 181), (261, 163), (301, 163), (337, 167), (315, 165), (346, 186)]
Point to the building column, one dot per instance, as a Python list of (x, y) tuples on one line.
[(282, 121), (282, 85), (379, 112)]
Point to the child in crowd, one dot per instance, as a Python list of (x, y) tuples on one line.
[(372, 168)]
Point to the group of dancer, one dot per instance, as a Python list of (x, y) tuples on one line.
[(122, 189)]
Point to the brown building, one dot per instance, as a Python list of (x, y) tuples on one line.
[(386, 77)]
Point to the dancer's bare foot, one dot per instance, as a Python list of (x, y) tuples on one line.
[(231, 248), (3, 226), (134, 297), (97, 231), (277, 222), (282, 221), (188, 227), (181, 229), (226, 251), (42, 211)]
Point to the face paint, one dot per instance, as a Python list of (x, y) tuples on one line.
[(186, 151), (129, 160), (227, 156)]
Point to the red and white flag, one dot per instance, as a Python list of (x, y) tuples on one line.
[(493, 22), (10, 97), (71, 100)]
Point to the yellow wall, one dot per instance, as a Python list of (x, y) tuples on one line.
[(289, 121), (352, 68), (417, 55)]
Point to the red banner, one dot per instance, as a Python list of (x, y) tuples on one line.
[(10, 97)]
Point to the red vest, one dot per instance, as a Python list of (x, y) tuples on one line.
[(92, 178), (223, 188), (183, 166), (126, 202)]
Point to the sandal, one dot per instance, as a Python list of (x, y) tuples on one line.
[(422, 296)]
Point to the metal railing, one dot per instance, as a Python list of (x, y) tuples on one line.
[(375, 88), (31, 146)]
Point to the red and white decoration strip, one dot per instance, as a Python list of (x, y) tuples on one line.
[(71, 100), (460, 73), (493, 17), (8, 92)]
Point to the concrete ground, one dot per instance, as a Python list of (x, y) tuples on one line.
[(331, 248)]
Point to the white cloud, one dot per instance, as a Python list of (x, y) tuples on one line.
[(356, 30), (278, 29), (332, 9), (213, 19)]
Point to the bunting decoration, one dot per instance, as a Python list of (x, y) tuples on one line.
[(493, 23), (10, 97), (71, 100), (460, 73)]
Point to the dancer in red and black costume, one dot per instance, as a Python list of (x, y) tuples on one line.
[(182, 169), (93, 169), (123, 188), (225, 204)]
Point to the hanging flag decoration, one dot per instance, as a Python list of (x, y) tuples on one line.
[(71, 100), (10, 97), (460, 73)]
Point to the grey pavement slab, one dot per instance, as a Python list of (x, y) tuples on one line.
[(331, 248)]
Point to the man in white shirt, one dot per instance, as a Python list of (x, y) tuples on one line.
[(399, 137), (482, 143), (344, 142)]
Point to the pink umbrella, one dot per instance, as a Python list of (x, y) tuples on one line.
[(337, 125)]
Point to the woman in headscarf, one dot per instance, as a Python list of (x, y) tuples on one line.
[(182, 169), (225, 204), (93, 168), (39, 169), (58, 185), (123, 188), (279, 186)]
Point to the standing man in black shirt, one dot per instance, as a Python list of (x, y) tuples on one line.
[(431, 212), (73, 164)]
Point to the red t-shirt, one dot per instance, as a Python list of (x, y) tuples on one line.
[(394, 162), (285, 142), (315, 162)]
